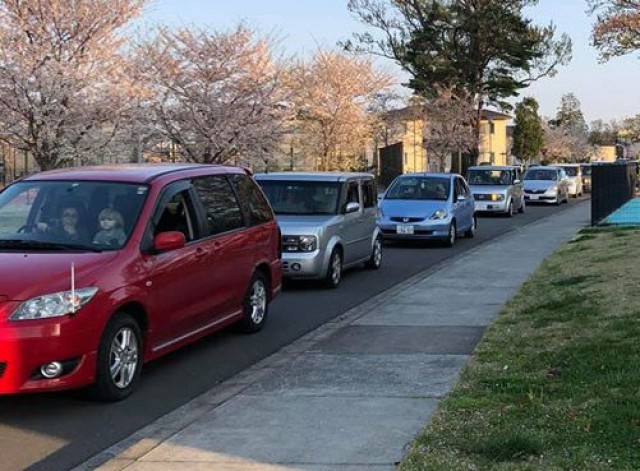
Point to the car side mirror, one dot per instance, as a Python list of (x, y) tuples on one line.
[(461, 198), (170, 240), (352, 208)]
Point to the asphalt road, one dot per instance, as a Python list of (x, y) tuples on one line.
[(59, 431)]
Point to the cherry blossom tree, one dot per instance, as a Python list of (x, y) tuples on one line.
[(218, 96), (617, 28), (63, 79), (332, 93), (449, 125)]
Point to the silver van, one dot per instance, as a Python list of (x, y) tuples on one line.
[(497, 189), (328, 222)]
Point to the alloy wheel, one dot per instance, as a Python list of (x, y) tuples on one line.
[(258, 301), (123, 357)]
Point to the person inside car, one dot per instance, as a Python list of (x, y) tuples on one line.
[(111, 232), (68, 226)]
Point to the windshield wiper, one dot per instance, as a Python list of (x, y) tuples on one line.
[(40, 245)]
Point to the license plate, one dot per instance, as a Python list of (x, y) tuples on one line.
[(481, 206), (534, 197), (404, 229)]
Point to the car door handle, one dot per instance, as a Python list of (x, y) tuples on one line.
[(200, 252)]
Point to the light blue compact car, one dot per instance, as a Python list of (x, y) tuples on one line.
[(427, 206)]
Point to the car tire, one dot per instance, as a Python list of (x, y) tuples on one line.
[(523, 206), (120, 349), (375, 261), (471, 233), (510, 211), (451, 239), (334, 270), (255, 305)]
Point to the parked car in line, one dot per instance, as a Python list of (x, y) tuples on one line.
[(497, 189), (574, 175), (195, 248), (586, 177), (328, 222), (427, 206), (546, 184)]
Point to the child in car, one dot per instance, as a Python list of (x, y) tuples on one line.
[(111, 232)]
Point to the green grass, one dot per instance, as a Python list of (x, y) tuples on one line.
[(555, 382)]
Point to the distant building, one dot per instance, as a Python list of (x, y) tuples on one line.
[(402, 150)]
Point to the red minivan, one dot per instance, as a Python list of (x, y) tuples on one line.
[(105, 268)]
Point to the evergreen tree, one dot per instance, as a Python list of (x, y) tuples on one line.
[(485, 48), (528, 135), (570, 115)]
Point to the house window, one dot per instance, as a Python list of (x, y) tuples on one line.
[(492, 127)]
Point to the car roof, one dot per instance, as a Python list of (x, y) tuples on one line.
[(312, 176), (566, 165), (130, 173), (429, 175), (492, 167)]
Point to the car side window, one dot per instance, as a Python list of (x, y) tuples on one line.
[(221, 208), (465, 188), (252, 201), (352, 193), (459, 189), (175, 215), (368, 194)]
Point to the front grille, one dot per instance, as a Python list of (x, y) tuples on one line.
[(535, 192), (406, 219), (3, 367), (481, 197)]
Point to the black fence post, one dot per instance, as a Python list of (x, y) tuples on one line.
[(612, 185)]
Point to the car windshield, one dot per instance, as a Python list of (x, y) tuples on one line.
[(302, 197), (68, 215), (489, 177), (571, 171), (541, 174), (419, 188), (586, 170)]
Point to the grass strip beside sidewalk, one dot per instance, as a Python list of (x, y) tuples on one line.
[(555, 382)]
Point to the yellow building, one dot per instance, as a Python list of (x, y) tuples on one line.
[(404, 147), (604, 153), (493, 138)]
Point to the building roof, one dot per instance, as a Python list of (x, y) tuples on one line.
[(490, 115), (416, 112)]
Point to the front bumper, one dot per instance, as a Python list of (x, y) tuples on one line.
[(542, 198), (491, 206), (303, 265), (423, 230), (27, 345)]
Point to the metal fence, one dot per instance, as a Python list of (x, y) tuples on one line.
[(612, 185)]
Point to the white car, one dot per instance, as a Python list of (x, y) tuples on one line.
[(574, 173)]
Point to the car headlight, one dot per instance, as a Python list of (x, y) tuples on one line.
[(497, 197), (299, 243), (439, 214), (552, 189), (53, 305)]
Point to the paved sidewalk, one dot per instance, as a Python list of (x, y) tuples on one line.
[(352, 394)]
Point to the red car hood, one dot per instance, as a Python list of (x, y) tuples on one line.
[(25, 275)]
